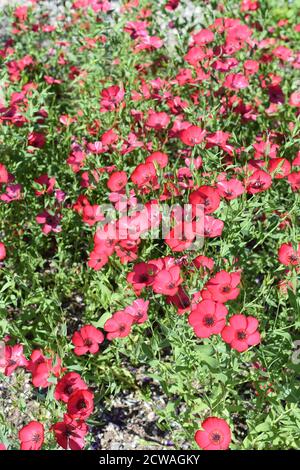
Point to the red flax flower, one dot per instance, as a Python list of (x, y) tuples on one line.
[(230, 189), (279, 167), (87, 340), (110, 98), (42, 367), (181, 236), (36, 139), (45, 185), (144, 175), (70, 433), (4, 177), (138, 310), (97, 260), (160, 158), (14, 358), (215, 434), (294, 180), (81, 404), (193, 135), (68, 384), (117, 181), (241, 333), (258, 182), (207, 196), (223, 286), (2, 251), (119, 325), (143, 275), (157, 121), (208, 318), (31, 436), (212, 227), (288, 256), (92, 214), (49, 222), (167, 281)]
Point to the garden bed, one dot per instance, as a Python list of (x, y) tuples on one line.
[(118, 119)]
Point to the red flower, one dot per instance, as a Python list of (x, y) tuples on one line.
[(97, 260), (230, 189), (251, 67), (14, 358), (68, 384), (2, 251), (193, 135), (36, 139), (143, 275), (294, 180), (138, 310), (181, 236), (13, 193), (204, 262), (47, 184), (160, 158), (21, 13), (241, 333), (281, 167), (110, 98), (92, 214), (172, 4), (81, 404), (70, 433), (288, 256), (180, 300), (215, 434), (4, 176), (87, 340), (50, 222), (167, 281), (223, 286), (212, 227), (144, 175), (203, 37), (117, 181), (236, 81), (207, 196), (258, 182), (31, 436), (208, 318), (157, 121), (295, 99), (195, 55), (41, 368), (119, 325)]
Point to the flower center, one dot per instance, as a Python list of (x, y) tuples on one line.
[(144, 278), (209, 320), (81, 405), (241, 335), (68, 390), (258, 184), (36, 437), (226, 289), (216, 437)]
